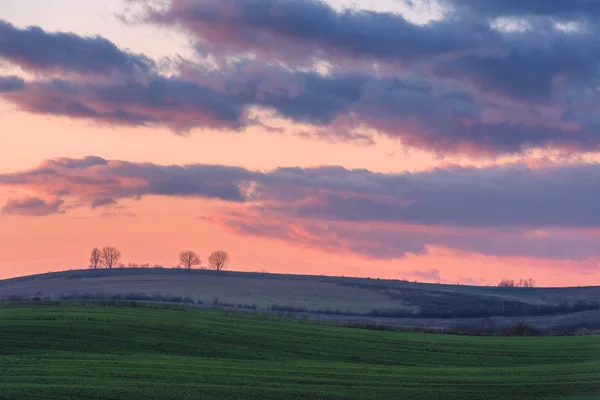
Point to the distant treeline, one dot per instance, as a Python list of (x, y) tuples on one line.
[(507, 309), (518, 329), (157, 298), (512, 309)]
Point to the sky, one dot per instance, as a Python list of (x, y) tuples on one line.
[(438, 141)]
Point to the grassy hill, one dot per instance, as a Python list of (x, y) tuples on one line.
[(90, 352), (388, 302)]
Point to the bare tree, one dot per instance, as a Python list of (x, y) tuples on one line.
[(188, 259), (218, 260), (110, 257), (507, 283), (526, 283), (530, 283), (522, 283), (96, 258)]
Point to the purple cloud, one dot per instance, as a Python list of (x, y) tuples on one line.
[(33, 206), (498, 196), (37, 50), (505, 211), (178, 104), (439, 118), (300, 31), (465, 103), (557, 196), (96, 182), (396, 241), (11, 84), (559, 9)]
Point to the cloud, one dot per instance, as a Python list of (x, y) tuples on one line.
[(504, 211), (11, 84), (300, 31), (172, 102), (112, 214), (339, 107), (498, 196), (36, 50), (397, 241), (463, 44), (96, 182), (491, 97), (561, 9), (460, 85), (472, 281), (428, 275), (507, 196), (34, 206), (530, 75), (91, 78)]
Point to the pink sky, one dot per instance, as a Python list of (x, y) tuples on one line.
[(293, 224)]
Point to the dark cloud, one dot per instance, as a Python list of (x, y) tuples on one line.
[(525, 63), (562, 9), (503, 196), (499, 93), (40, 51), (33, 206), (430, 114), (434, 116), (11, 84), (299, 30), (176, 103), (529, 75), (319, 99), (470, 87)]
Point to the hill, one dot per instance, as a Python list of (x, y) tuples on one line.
[(76, 352), (388, 302)]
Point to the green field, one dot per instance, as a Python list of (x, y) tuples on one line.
[(85, 352)]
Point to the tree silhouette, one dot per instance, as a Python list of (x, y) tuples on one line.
[(218, 260), (110, 257), (507, 283), (188, 259), (96, 258), (522, 283)]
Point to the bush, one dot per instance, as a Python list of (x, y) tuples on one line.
[(277, 307), (188, 300), (521, 329), (372, 327)]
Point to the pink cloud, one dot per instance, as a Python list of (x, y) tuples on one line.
[(34, 206), (429, 275), (501, 211)]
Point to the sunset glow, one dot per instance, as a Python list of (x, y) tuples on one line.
[(442, 142)]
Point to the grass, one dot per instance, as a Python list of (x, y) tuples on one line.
[(79, 351)]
